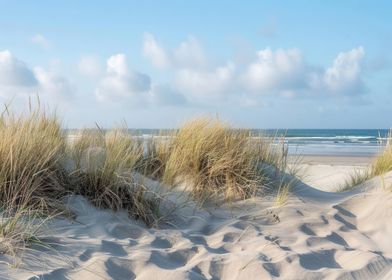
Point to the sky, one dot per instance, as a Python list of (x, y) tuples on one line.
[(155, 64)]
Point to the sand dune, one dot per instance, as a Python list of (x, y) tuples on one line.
[(315, 235)]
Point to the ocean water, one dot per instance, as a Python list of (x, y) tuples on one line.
[(334, 142)]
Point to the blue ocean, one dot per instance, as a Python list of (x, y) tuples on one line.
[(336, 142)]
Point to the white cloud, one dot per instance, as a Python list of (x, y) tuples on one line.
[(275, 70), (52, 85), (154, 52), (121, 82), (203, 86), (14, 72), (284, 72), (165, 95), (18, 80), (189, 54), (41, 41), (90, 66), (344, 76)]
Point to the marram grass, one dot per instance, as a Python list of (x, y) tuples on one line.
[(39, 165), (213, 159), (32, 176), (380, 165), (32, 149), (104, 166)]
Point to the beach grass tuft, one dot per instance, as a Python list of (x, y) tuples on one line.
[(104, 171), (215, 159)]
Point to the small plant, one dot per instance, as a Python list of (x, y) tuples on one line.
[(21, 228), (383, 163), (282, 193), (355, 178)]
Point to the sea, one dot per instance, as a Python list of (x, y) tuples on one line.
[(334, 142), (329, 142)]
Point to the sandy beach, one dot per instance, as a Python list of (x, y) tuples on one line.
[(329, 172), (315, 234)]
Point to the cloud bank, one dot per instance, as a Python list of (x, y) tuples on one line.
[(192, 78)]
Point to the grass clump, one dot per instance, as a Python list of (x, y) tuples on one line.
[(32, 148), (32, 176), (19, 229), (104, 165), (156, 154), (215, 159), (383, 163), (380, 165), (355, 178)]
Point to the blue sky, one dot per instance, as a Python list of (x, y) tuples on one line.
[(153, 64)]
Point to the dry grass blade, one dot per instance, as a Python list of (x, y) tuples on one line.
[(104, 171), (32, 149), (215, 159)]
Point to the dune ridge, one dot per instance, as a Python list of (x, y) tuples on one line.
[(315, 235)]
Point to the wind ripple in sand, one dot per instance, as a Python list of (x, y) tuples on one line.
[(337, 237)]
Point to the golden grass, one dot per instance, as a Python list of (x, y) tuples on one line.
[(32, 176), (39, 167), (216, 160), (105, 163), (380, 165), (383, 163), (32, 149), (20, 229), (156, 154)]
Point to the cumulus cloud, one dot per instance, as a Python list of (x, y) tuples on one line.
[(210, 85), (51, 84), (121, 82), (17, 79), (165, 95), (14, 72), (189, 54), (344, 76), (287, 72), (41, 41), (124, 85), (90, 66), (154, 52), (275, 70), (282, 72)]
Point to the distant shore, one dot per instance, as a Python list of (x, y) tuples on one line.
[(334, 160)]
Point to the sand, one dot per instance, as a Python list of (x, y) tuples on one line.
[(329, 173), (314, 235)]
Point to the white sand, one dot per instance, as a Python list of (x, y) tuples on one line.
[(329, 173), (315, 235)]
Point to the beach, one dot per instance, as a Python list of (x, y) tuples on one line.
[(315, 234)]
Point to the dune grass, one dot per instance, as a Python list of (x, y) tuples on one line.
[(21, 228), (104, 166), (40, 165), (213, 160), (380, 165), (156, 154), (383, 163), (32, 176), (32, 148)]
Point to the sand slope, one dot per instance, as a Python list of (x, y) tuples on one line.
[(316, 235)]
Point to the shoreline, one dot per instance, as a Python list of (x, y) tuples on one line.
[(334, 160)]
